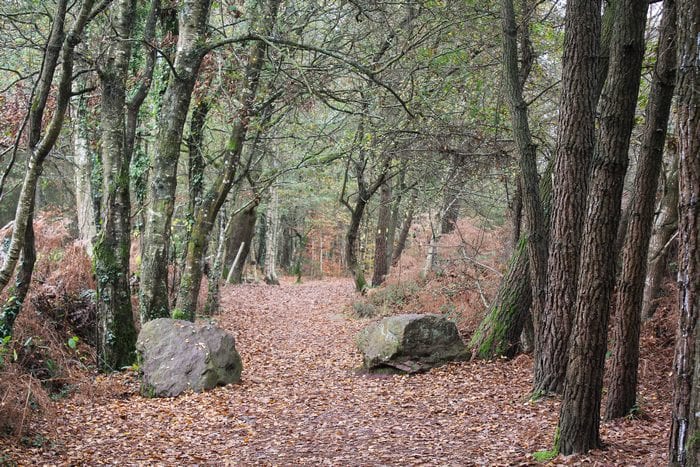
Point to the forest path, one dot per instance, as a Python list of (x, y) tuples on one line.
[(301, 401)]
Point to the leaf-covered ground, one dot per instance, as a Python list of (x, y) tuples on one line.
[(302, 401)]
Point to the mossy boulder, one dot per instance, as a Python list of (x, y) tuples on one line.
[(176, 356), (410, 343)]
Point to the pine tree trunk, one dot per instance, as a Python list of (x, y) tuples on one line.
[(498, 335), (211, 306), (622, 393), (684, 446), (579, 421), (665, 226), (351, 237), (153, 291), (575, 147), (397, 196)]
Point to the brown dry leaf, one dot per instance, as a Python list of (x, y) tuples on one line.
[(302, 402)]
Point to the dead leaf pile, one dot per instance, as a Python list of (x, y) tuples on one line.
[(302, 401)]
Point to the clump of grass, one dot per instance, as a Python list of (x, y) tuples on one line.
[(364, 309)]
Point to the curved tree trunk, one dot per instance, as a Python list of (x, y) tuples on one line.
[(39, 144), (622, 393), (535, 223), (40, 139), (207, 210), (579, 420), (13, 305), (499, 333)]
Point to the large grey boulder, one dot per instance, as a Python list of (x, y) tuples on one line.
[(410, 343), (176, 356)]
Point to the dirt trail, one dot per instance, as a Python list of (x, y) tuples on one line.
[(302, 402)]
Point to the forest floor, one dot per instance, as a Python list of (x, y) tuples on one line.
[(302, 401)]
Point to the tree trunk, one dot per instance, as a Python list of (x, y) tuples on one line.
[(42, 138), (381, 265), (535, 224), (397, 196), (351, 236), (450, 207), (575, 147), (665, 226), (13, 305), (83, 172), (239, 241), (211, 306), (622, 393), (684, 445), (116, 333), (431, 256), (405, 229), (207, 210), (153, 291), (271, 235), (499, 333), (579, 420)]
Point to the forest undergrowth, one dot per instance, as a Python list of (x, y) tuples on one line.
[(302, 399)]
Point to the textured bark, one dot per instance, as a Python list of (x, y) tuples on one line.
[(684, 445), (575, 146), (381, 239), (498, 334), (517, 213), (579, 421), (365, 190), (116, 333), (153, 296), (450, 208), (622, 393), (665, 227), (535, 224), (351, 236)]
